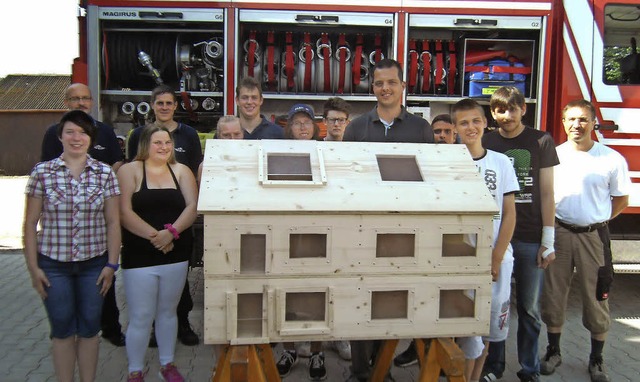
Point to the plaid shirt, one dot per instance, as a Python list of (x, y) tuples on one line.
[(73, 226)]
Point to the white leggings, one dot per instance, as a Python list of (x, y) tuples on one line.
[(153, 293)]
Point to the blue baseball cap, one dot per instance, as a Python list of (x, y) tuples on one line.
[(301, 108)]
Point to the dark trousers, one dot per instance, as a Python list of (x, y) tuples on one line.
[(495, 361), (185, 305), (110, 320)]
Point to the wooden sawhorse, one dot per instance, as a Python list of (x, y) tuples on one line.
[(246, 363), (255, 363), (443, 354)]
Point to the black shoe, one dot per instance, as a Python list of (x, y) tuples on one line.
[(528, 377), (408, 357), (186, 335), (286, 362), (117, 339), (317, 371), (152, 339)]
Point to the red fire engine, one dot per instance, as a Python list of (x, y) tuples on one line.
[(554, 51)]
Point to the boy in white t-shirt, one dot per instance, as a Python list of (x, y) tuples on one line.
[(498, 173)]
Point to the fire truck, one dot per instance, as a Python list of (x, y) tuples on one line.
[(554, 51)]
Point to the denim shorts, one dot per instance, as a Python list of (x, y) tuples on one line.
[(74, 302)]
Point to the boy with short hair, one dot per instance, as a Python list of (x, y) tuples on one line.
[(533, 155), (496, 170)]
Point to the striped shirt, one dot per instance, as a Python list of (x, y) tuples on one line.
[(72, 220)]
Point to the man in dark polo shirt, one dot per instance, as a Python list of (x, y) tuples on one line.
[(106, 149), (388, 121), (249, 100)]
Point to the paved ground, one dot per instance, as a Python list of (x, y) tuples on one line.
[(25, 347)]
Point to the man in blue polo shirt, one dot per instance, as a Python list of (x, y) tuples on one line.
[(249, 100)]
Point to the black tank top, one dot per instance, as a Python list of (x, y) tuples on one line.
[(157, 207)]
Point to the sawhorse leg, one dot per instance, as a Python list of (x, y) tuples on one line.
[(443, 354), (246, 363)]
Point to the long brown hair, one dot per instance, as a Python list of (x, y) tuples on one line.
[(145, 142)]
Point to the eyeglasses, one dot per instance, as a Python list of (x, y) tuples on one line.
[(581, 120), (78, 99), (442, 131), (301, 124), (333, 121)]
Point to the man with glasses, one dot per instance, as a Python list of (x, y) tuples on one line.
[(106, 149), (592, 186), (336, 118)]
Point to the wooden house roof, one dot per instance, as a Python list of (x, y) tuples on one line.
[(343, 177)]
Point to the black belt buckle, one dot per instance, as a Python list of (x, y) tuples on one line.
[(581, 229)]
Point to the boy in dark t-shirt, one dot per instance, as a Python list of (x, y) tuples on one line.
[(533, 155)]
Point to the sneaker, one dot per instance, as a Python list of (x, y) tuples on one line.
[(303, 349), (550, 361), (528, 377), (136, 376), (596, 370), (317, 371), (408, 357), (169, 373), (186, 335), (286, 362), (343, 348), (489, 377)]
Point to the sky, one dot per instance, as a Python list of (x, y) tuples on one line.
[(38, 36)]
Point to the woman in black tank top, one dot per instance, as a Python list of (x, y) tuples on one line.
[(158, 207)]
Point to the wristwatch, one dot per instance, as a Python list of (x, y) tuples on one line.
[(113, 266)]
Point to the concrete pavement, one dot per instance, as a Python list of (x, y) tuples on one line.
[(25, 347)]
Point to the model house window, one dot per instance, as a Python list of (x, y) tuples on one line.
[(305, 306), (389, 304), (249, 315), (459, 244), (289, 167), (285, 164), (307, 245), (399, 168), (253, 253), (395, 245), (457, 303)]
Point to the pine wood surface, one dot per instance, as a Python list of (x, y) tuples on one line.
[(231, 179)]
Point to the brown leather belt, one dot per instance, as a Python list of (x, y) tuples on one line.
[(581, 229)]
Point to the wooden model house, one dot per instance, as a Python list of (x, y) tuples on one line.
[(310, 240)]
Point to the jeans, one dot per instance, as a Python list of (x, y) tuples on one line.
[(529, 282), (74, 302)]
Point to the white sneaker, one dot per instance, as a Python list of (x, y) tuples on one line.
[(343, 348), (303, 349)]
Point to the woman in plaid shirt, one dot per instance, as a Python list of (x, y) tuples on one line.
[(74, 256)]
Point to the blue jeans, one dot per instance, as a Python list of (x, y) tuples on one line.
[(74, 302), (529, 281)]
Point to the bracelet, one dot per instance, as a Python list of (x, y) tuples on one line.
[(173, 231), (113, 266)]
